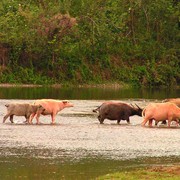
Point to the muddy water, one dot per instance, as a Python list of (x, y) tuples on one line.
[(78, 147)]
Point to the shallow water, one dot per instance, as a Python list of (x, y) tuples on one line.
[(78, 147)]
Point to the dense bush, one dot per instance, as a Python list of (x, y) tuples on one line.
[(85, 41)]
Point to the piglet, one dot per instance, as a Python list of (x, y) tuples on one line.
[(22, 109)]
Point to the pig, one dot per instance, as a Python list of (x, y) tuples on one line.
[(117, 111), (98, 108), (173, 100), (52, 107), (160, 112), (21, 109)]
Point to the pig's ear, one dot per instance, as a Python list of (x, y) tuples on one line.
[(65, 101)]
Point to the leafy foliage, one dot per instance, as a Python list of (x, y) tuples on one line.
[(90, 40)]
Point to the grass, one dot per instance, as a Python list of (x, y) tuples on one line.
[(159, 173)]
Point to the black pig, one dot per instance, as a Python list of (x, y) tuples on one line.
[(117, 111)]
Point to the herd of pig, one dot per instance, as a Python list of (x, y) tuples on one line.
[(168, 110)]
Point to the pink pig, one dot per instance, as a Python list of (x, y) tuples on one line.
[(52, 107), (160, 112)]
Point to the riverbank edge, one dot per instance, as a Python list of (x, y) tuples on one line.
[(102, 85), (90, 85)]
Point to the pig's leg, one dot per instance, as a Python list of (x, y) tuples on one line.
[(156, 123), (5, 117), (126, 117), (144, 122), (169, 122), (118, 121), (128, 121), (150, 123), (31, 118), (37, 118), (27, 119), (178, 121), (53, 118), (101, 119), (11, 118)]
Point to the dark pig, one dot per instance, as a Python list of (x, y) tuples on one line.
[(117, 111)]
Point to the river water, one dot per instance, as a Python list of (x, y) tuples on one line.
[(77, 146)]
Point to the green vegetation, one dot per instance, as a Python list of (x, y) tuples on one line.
[(163, 173), (90, 41)]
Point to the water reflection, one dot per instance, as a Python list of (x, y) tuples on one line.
[(86, 93)]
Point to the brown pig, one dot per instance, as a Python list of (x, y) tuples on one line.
[(161, 112), (21, 109), (52, 107)]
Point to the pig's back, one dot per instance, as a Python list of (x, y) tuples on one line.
[(49, 105)]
